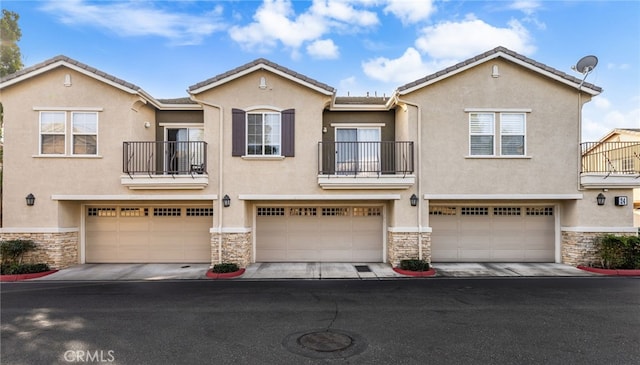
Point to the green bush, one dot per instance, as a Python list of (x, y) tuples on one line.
[(618, 252), (16, 269), (12, 251), (414, 265), (225, 267)]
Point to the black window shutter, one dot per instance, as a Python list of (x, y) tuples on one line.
[(288, 132), (238, 132)]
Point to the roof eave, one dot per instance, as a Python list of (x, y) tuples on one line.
[(582, 87), (257, 67)]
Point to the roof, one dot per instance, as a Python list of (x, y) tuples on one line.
[(360, 100), (507, 54), (255, 65), (64, 60), (185, 100)]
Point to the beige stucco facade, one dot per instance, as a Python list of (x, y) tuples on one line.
[(427, 122)]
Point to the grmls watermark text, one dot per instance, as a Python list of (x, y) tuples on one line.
[(82, 356)]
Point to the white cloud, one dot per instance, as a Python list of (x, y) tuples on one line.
[(324, 49), (407, 67), (616, 66), (275, 22), (526, 6), (461, 40), (601, 102), (410, 11), (597, 122), (138, 19)]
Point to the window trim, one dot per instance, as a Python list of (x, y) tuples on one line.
[(497, 132), (68, 131), (492, 134), (524, 134), (263, 113)]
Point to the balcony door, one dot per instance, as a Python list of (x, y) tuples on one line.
[(357, 150), (181, 155)]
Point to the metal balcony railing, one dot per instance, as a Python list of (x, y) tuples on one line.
[(164, 158), (365, 158), (611, 158)]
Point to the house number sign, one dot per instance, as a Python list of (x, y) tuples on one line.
[(621, 201)]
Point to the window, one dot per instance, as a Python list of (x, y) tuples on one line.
[(482, 134), (52, 133), (357, 150), (85, 133), (263, 133), (512, 126), (83, 138)]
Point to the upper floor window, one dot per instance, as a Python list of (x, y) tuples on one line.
[(510, 141), (263, 133), (62, 131)]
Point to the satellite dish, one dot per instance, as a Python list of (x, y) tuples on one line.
[(586, 64)]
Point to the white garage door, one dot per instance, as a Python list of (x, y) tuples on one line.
[(330, 234), (492, 234), (148, 234)]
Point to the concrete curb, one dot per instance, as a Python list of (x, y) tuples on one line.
[(610, 272)]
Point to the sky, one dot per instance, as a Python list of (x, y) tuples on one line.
[(355, 46)]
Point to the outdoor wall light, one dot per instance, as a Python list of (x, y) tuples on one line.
[(600, 199), (31, 200), (413, 200), (226, 201)]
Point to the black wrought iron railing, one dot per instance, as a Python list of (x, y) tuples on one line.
[(365, 158), (611, 157), (164, 158)]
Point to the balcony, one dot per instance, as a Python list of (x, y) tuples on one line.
[(365, 165), (610, 165), (164, 165)]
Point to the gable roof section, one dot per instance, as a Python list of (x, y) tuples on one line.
[(61, 60), (261, 64), (508, 55), (617, 131)]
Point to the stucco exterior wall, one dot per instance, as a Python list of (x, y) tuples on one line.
[(551, 133)]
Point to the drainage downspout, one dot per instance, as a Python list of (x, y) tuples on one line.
[(418, 167), (220, 155)]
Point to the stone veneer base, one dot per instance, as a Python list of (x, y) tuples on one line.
[(57, 249)]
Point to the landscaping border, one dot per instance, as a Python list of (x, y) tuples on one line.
[(420, 274), (226, 275), (21, 277), (610, 272)]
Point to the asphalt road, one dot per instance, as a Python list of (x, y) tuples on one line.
[(413, 321)]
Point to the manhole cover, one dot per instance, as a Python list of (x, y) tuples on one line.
[(325, 344), (325, 341)]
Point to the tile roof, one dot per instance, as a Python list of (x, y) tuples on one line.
[(361, 100), (257, 62), (71, 61), (185, 100), (491, 53)]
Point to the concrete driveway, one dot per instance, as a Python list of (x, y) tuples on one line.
[(308, 271)]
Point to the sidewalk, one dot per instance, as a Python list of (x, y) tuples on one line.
[(306, 271)]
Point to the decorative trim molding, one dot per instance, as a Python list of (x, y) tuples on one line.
[(600, 229), (366, 182), (181, 182), (134, 197), (38, 230), (410, 229), (320, 197), (231, 230), (503, 196)]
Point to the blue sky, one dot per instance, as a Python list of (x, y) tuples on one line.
[(356, 46)]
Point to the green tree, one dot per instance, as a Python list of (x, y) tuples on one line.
[(10, 34)]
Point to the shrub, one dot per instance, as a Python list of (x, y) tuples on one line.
[(618, 252), (225, 267), (13, 251), (414, 265), (16, 269)]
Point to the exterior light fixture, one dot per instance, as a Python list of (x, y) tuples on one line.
[(413, 200), (226, 201), (31, 200), (600, 199)]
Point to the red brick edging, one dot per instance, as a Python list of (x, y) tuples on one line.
[(20, 277), (226, 275), (613, 272), (420, 274)]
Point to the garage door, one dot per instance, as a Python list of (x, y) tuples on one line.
[(492, 234), (333, 234), (148, 234)]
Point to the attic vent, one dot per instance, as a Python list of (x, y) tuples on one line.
[(495, 73), (67, 80)]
